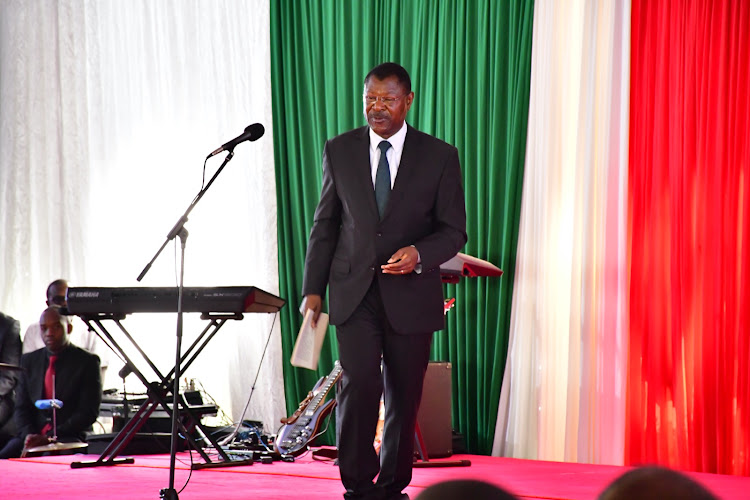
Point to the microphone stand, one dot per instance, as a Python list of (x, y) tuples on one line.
[(170, 493), (54, 411), (124, 372)]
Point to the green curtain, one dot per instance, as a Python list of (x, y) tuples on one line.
[(470, 68)]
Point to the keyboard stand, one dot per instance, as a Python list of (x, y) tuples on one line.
[(158, 392)]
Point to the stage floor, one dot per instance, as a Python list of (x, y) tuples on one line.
[(52, 477)]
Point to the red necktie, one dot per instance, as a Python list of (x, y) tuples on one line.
[(49, 379), (49, 388)]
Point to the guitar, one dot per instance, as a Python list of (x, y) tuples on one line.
[(299, 429)]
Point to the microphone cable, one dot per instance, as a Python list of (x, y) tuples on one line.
[(228, 439)]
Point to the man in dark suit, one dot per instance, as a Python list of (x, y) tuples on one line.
[(75, 379), (391, 210), (10, 353)]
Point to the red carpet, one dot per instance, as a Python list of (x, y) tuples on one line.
[(52, 477)]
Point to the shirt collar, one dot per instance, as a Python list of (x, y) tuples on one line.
[(396, 140), (58, 353)]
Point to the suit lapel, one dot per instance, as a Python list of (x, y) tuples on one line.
[(38, 378), (363, 173)]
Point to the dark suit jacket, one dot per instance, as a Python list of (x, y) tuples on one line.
[(348, 241), (78, 385), (10, 353)]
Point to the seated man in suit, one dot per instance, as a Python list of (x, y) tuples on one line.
[(62, 371), (10, 353)]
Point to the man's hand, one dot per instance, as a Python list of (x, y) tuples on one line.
[(315, 303), (402, 262)]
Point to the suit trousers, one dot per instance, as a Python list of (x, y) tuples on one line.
[(365, 340)]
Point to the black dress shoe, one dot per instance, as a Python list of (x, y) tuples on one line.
[(374, 494), (398, 496)]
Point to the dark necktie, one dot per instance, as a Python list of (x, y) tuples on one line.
[(382, 179), (49, 379)]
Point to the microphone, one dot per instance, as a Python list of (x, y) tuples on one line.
[(125, 370), (252, 133), (48, 404)]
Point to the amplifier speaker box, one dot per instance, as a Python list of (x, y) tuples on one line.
[(434, 416)]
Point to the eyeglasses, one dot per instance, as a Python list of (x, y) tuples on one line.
[(372, 99)]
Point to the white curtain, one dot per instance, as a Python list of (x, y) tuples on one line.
[(563, 393), (107, 111)]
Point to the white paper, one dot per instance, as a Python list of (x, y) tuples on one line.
[(309, 341)]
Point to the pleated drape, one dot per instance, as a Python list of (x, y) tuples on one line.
[(563, 392), (689, 204)]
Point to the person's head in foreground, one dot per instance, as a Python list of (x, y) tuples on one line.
[(464, 489), (652, 483)]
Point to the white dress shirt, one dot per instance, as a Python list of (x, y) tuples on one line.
[(393, 154)]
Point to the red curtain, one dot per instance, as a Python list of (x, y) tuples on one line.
[(689, 236)]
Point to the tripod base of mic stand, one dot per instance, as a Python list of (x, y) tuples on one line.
[(441, 463), (168, 494)]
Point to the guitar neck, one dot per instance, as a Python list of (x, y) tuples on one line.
[(312, 407)]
